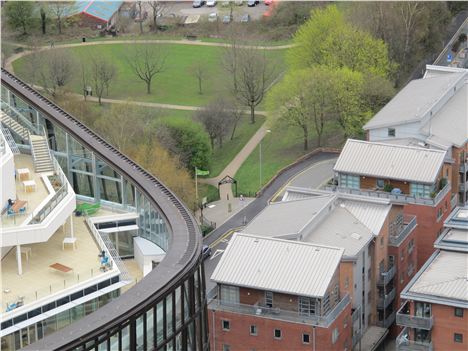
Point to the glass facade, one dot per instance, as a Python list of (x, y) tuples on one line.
[(174, 318)]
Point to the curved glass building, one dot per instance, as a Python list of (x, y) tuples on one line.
[(98, 201)]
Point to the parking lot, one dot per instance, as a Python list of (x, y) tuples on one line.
[(185, 8)]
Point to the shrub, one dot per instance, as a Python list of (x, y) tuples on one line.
[(388, 187)]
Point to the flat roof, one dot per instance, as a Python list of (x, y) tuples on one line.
[(414, 100), (341, 229), (284, 266), (389, 161), (444, 277), (287, 218)]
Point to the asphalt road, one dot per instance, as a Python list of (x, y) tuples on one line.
[(309, 173)]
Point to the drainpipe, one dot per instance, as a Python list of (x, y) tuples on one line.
[(214, 331), (313, 338)]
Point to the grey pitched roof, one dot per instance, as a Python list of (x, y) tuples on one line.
[(283, 266), (341, 229), (390, 161), (414, 100), (287, 218)]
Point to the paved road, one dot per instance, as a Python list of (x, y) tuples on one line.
[(313, 172)]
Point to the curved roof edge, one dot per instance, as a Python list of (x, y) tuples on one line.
[(185, 242)]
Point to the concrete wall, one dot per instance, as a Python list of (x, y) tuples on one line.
[(401, 131), (144, 260), (8, 186)]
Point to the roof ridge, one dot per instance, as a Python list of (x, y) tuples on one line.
[(395, 145), (442, 282)]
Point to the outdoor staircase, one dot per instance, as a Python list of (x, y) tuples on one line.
[(9, 139), (41, 154), (14, 126)]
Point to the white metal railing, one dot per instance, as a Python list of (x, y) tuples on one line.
[(18, 117), (402, 198), (39, 215), (386, 277), (388, 321), (384, 301), (105, 244), (410, 223), (404, 318), (281, 314)]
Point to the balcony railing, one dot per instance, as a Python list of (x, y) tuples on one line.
[(281, 314), (402, 198), (403, 343), (387, 322), (410, 223), (404, 319), (386, 277), (386, 300)]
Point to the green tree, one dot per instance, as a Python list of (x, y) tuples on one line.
[(186, 139), (19, 14), (327, 39)]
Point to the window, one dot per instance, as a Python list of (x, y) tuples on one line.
[(226, 324), (268, 299), (458, 337), (458, 312), (306, 306), (346, 284), (305, 338), (381, 241), (421, 190), (229, 294), (391, 132), (380, 183), (253, 329), (335, 335), (226, 347), (410, 246), (349, 181), (439, 213), (277, 334)]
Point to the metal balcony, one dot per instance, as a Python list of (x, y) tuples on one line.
[(404, 319), (383, 302), (386, 277), (403, 343), (387, 322), (410, 223)]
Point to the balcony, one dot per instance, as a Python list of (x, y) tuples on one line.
[(403, 343), (400, 199), (386, 277), (386, 300), (404, 319), (463, 167), (281, 314), (387, 322), (409, 224)]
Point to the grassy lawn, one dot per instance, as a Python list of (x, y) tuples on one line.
[(176, 85), (208, 191), (280, 148), (222, 156)]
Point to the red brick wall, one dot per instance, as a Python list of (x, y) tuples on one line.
[(445, 325), (239, 338)]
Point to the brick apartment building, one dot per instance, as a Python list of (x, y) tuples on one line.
[(412, 177), (363, 228), (435, 314), (278, 294)]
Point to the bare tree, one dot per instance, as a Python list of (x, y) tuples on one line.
[(146, 62), (59, 9), (230, 59), (33, 64), (102, 74), (254, 74), (199, 70), (141, 16), (56, 70), (158, 8), (43, 14), (216, 119)]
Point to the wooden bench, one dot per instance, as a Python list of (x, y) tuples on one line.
[(60, 267)]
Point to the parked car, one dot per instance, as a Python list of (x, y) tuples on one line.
[(245, 18), (252, 3), (226, 19), (206, 251), (212, 17), (198, 3), (211, 3)]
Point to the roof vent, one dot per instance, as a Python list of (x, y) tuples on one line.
[(356, 236)]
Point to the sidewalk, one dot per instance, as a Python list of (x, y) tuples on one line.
[(218, 211)]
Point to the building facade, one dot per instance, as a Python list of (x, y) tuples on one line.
[(167, 308)]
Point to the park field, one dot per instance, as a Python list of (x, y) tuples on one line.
[(175, 85)]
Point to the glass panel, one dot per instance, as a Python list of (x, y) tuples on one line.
[(169, 329), (125, 338), (160, 323), (140, 332), (114, 342), (83, 184), (149, 329), (63, 319), (50, 325), (110, 190), (178, 301)]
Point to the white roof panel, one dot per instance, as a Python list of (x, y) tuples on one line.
[(372, 215), (446, 277), (284, 266), (414, 100), (390, 161)]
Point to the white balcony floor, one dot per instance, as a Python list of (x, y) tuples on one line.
[(33, 198)]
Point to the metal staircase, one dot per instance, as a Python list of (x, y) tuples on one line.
[(9, 139), (41, 154), (14, 126)]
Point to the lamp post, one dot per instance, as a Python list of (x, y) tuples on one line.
[(260, 156)]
